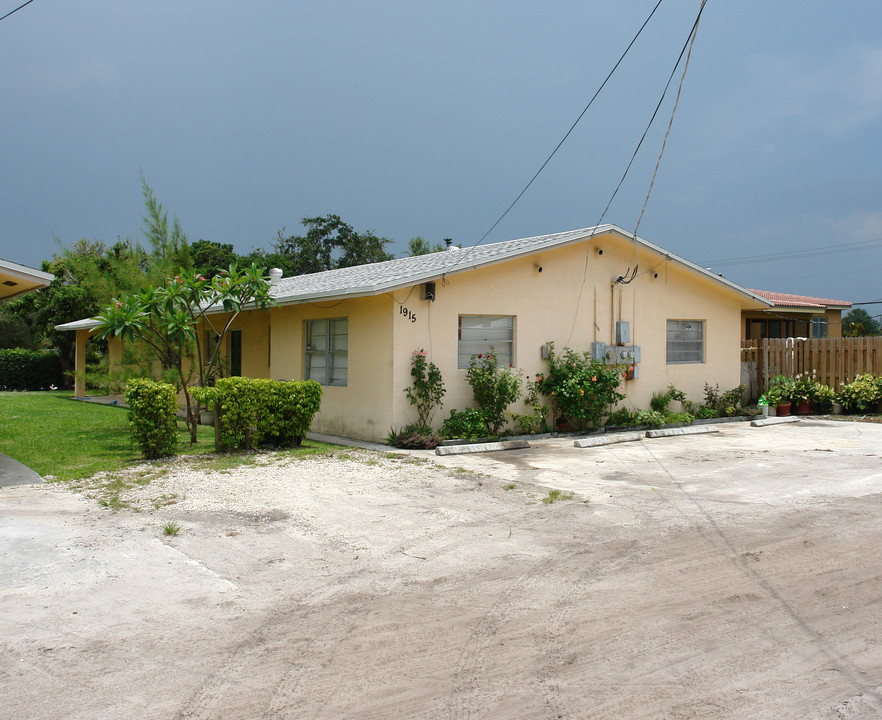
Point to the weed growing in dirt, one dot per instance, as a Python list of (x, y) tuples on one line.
[(164, 499), (171, 528), (509, 486), (555, 495)]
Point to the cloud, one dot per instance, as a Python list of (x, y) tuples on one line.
[(834, 95), (860, 226)]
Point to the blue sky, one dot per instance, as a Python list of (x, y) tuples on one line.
[(416, 118)]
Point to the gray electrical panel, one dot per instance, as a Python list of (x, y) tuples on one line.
[(623, 333), (598, 351)]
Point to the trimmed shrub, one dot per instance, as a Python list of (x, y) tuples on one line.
[(29, 370), (152, 416), (254, 411)]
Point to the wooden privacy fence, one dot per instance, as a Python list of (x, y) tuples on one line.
[(834, 360)]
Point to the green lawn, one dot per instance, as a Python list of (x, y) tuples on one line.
[(57, 435)]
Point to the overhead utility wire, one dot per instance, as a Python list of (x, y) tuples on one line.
[(673, 112), (651, 120), (563, 140), (629, 275), (807, 252), (11, 12)]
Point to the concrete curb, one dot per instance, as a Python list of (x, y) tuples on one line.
[(610, 439), (688, 430), (481, 447), (774, 421)]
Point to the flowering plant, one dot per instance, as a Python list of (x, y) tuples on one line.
[(582, 389), (495, 387), (427, 390), (804, 387)]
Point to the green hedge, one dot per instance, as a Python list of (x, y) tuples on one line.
[(251, 412), (153, 411), (29, 370)]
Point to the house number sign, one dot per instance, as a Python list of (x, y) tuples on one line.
[(408, 314)]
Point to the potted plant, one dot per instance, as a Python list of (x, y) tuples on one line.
[(780, 388), (803, 392), (775, 399), (824, 396)]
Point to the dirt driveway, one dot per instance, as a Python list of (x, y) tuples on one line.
[(735, 575)]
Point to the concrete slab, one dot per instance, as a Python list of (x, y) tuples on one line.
[(481, 447), (611, 439), (774, 421), (688, 430), (12, 472)]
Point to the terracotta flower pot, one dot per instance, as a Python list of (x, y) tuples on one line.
[(803, 407), (783, 409)]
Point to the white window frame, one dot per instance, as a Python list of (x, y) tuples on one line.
[(326, 357), (819, 326), (477, 334), (682, 336)]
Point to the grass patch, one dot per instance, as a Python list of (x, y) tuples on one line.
[(555, 495), (509, 486), (171, 528), (57, 436)]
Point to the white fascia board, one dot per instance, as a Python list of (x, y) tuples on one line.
[(26, 273)]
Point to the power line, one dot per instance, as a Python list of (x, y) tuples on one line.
[(16, 9), (806, 252), (563, 140)]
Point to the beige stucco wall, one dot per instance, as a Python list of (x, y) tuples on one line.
[(554, 304), (362, 409), (547, 307)]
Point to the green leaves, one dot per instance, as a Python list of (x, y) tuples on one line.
[(152, 417), (582, 389), (427, 389), (254, 411), (494, 388)]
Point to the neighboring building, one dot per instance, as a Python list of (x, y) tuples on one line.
[(354, 329), (794, 316), (17, 279)]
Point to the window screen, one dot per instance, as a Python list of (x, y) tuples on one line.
[(479, 333)]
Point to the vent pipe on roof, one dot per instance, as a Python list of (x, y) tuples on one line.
[(275, 275)]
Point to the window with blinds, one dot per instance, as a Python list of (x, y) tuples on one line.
[(479, 333), (685, 341)]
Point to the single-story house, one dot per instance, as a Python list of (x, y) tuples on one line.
[(16, 279), (794, 316), (599, 289)]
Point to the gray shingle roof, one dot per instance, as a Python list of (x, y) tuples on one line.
[(376, 278), (390, 275)]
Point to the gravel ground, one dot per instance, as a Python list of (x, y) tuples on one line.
[(726, 576)]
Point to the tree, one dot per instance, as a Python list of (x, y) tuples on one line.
[(859, 323), (420, 246), (168, 319), (210, 258), (329, 243)]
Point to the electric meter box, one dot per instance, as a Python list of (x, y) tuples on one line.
[(624, 354), (623, 333)]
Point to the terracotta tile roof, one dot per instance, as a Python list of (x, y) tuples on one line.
[(788, 300)]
